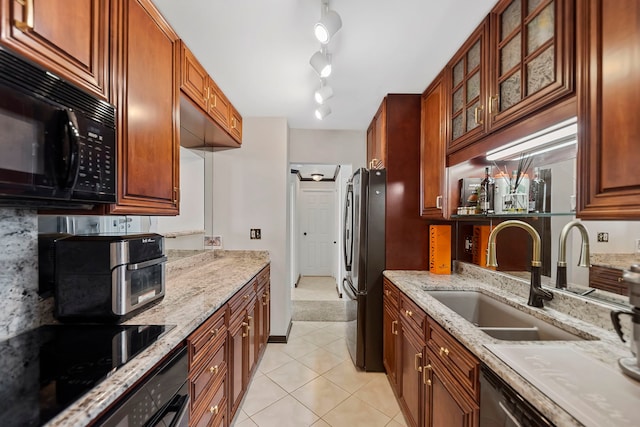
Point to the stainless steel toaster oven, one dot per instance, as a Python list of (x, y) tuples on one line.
[(107, 278)]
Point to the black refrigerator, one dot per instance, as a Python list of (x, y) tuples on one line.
[(364, 253)]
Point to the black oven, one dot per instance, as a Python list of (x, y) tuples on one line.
[(57, 142)]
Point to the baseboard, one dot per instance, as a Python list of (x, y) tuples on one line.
[(281, 339)]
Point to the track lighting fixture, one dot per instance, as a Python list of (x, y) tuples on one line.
[(321, 63), (328, 25), (322, 111), (325, 92)]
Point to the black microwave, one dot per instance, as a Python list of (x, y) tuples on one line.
[(57, 142)]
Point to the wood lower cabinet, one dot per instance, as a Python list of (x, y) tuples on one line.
[(390, 334), (433, 152), (145, 76), (411, 360), (243, 352), (208, 356), (223, 353), (451, 376), (71, 40), (608, 279), (448, 405), (437, 380), (608, 101)]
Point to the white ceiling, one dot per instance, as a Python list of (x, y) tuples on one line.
[(258, 51)]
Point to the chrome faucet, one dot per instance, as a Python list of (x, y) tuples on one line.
[(536, 294), (561, 272)]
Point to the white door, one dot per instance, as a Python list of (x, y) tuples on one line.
[(317, 232)]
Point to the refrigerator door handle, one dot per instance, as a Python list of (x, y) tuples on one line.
[(348, 245), (350, 290)]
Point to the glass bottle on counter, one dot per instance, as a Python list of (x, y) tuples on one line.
[(537, 193), (486, 193)]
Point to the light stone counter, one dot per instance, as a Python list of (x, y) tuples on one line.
[(561, 311), (196, 287)]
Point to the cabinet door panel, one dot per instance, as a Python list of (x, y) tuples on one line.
[(608, 102), (147, 109), (411, 354), (237, 365), (533, 61), (432, 152), (71, 40), (448, 405), (466, 77), (389, 338)]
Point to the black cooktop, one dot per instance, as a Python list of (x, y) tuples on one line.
[(45, 370)]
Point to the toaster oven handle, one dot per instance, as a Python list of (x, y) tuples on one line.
[(145, 264)]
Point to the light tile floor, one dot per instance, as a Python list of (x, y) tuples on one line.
[(311, 381)]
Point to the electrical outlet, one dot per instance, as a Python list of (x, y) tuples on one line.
[(638, 246), (255, 233), (603, 237)]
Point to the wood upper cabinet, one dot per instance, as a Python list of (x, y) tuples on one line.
[(71, 40), (433, 152), (146, 92), (467, 89), (204, 93), (608, 103), (532, 57), (377, 139)]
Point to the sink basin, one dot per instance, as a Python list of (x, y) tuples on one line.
[(500, 320)]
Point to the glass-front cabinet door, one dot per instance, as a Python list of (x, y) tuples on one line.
[(532, 56), (466, 77)]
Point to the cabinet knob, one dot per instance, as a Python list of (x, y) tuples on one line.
[(214, 410), (214, 332), (444, 351), (213, 370), (246, 297), (620, 279), (408, 313)]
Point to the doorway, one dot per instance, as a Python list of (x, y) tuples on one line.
[(316, 229)]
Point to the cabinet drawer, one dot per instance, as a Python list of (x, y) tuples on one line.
[(461, 364), (210, 333), (412, 314), (391, 293), (607, 279), (207, 374), (240, 300), (214, 412), (263, 276)]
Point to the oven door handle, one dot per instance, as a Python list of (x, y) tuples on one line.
[(178, 405), (146, 264)]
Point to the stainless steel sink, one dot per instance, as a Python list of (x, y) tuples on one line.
[(501, 320)]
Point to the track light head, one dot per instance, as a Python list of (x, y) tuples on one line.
[(321, 64), (322, 94), (322, 112), (328, 25)]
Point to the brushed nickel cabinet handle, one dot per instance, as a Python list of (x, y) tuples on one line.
[(439, 202)]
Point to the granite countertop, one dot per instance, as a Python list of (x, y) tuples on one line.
[(196, 286), (621, 261), (607, 348)]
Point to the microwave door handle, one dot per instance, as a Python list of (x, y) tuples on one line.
[(145, 264), (70, 148)]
